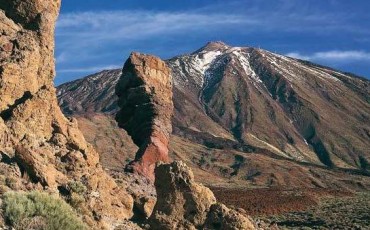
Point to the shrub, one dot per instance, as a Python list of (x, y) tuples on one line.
[(22, 210), (77, 187)]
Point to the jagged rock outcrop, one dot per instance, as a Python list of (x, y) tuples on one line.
[(145, 99), (145, 205), (40, 148), (184, 204), (221, 217)]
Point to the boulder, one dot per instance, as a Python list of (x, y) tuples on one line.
[(145, 205), (181, 202), (221, 217)]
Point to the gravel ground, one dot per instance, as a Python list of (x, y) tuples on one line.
[(331, 213)]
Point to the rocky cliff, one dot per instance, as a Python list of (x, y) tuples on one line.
[(40, 148), (145, 99)]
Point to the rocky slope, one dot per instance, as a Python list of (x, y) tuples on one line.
[(307, 112), (40, 148), (80, 98), (251, 100)]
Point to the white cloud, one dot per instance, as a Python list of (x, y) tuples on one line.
[(333, 55), (298, 56), (343, 55), (89, 69), (104, 19), (130, 25), (85, 36), (95, 28)]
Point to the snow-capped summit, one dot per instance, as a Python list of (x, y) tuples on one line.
[(292, 108)]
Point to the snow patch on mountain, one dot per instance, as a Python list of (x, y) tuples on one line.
[(244, 61), (195, 65), (284, 66), (202, 62)]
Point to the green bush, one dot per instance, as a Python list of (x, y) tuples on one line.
[(23, 209), (77, 187)]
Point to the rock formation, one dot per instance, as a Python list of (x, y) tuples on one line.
[(145, 99), (40, 148), (221, 217), (184, 204)]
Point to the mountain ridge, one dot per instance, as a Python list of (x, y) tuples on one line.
[(247, 98)]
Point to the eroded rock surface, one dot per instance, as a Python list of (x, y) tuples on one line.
[(221, 217), (40, 148), (145, 99), (184, 204)]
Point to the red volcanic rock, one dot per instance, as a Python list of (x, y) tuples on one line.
[(145, 99)]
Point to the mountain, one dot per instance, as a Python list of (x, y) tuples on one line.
[(236, 107), (95, 93), (307, 112)]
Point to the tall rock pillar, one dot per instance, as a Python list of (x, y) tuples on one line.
[(145, 99)]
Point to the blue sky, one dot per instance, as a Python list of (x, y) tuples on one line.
[(93, 35)]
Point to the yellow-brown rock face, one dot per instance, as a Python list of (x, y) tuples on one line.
[(36, 139), (184, 204), (145, 99)]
